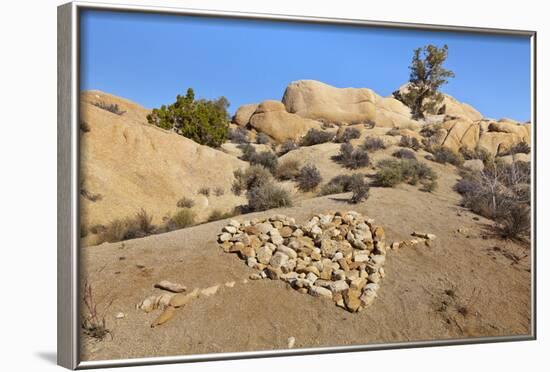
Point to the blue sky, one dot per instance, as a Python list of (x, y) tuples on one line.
[(150, 58)]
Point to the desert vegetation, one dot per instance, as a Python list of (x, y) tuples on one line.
[(500, 192), (351, 157), (204, 121), (93, 322), (111, 107), (347, 135), (427, 75), (373, 144), (308, 178), (316, 137), (392, 172)]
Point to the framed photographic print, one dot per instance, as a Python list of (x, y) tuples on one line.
[(235, 185)]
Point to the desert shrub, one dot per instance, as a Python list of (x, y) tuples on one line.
[(115, 231), (410, 142), (288, 169), (262, 139), (185, 202), (248, 151), (445, 155), (219, 191), (315, 137), (393, 172), (519, 148), (84, 126), (183, 218), (359, 189), (373, 144), (353, 158), (516, 222), (204, 191), (253, 176), (309, 178), (113, 107), (287, 146), (144, 222), (267, 196), (478, 153), (348, 135), (500, 192), (340, 184), (204, 121), (219, 215), (404, 154), (266, 158), (238, 135)]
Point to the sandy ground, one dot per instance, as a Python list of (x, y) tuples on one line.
[(488, 279)]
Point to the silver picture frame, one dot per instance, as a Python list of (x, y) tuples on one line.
[(68, 344)]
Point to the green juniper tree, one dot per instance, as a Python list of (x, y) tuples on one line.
[(204, 121), (426, 77)]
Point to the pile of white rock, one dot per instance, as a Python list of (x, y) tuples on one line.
[(335, 255)]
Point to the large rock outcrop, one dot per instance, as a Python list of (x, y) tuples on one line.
[(272, 119), (128, 164), (343, 106)]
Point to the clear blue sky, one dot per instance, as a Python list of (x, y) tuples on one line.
[(150, 58)]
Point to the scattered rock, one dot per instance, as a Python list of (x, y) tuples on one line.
[(172, 287), (120, 315), (291, 341), (165, 316)]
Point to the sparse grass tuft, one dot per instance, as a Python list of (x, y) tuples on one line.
[(353, 158), (262, 139), (348, 135), (185, 203), (113, 107), (393, 172), (287, 146), (253, 176), (219, 191), (445, 155), (404, 154), (238, 135), (409, 142), (204, 191), (93, 319), (183, 218)]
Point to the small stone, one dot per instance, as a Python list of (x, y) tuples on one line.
[(302, 290), (226, 246), (276, 238), (169, 286), (311, 277), (360, 257), (290, 342), (263, 274), (358, 283), (424, 235), (395, 246), (352, 274), (278, 259), (320, 291), (273, 273), (230, 229), (367, 298), (224, 237), (247, 252), (382, 272), (286, 232), (298, 233), (237, 247), (374, 277), (378, 259), (351, 299), (230, 284), (255, 276), (210, 291), (313, 269), (338, 286), (251, 262), (339, 300), (277, 224), (379, 233), (234, 223), (291, 253), (264, 228), (339, 275), (289, 277), (120, 315), (264, 255)]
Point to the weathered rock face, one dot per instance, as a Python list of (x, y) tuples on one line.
[(342, 106), (453, 107), (495, 137), (243, 114), (272, 119), (338, 256)]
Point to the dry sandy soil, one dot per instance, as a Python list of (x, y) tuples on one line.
[(484, 281)]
